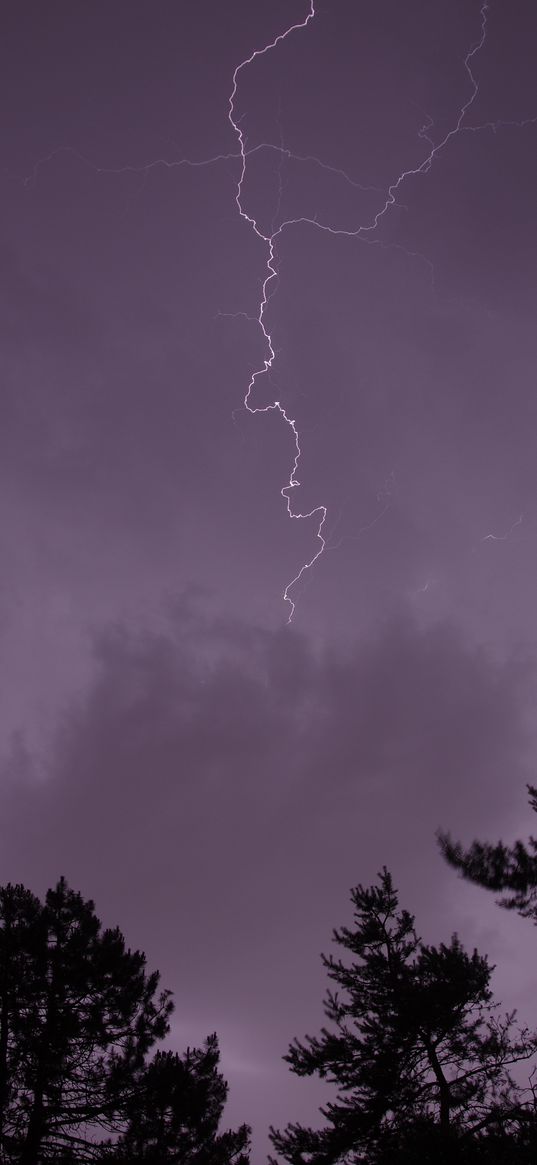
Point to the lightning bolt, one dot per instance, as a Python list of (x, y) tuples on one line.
[(272, 274), (361, 232), (503, 537), (29, 180), (364, 233)]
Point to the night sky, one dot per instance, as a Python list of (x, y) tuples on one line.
[(215, 777)]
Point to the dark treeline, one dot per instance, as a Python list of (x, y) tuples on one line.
[(426, 1068), (79, 1018)]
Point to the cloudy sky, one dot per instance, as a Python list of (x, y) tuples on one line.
[(216, 777)]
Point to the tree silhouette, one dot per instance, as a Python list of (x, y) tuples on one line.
[(78, 1016), (175, 1117), (78, 1013), (500, 867), (419, 1058)]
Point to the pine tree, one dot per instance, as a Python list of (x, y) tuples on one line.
[(500, 867), (78, 1014), (176, 1114), (415, 1049)]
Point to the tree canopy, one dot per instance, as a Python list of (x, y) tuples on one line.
[(176, 1114), (420, 1059), (499, 867), (79, 1015)]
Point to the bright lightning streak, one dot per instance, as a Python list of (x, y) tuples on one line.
[(360, 232), (427, 162), (364, 233), (272, 273)]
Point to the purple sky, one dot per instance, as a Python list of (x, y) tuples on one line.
[(213, 777)]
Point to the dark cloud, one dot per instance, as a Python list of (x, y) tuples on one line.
[(219, 789)]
